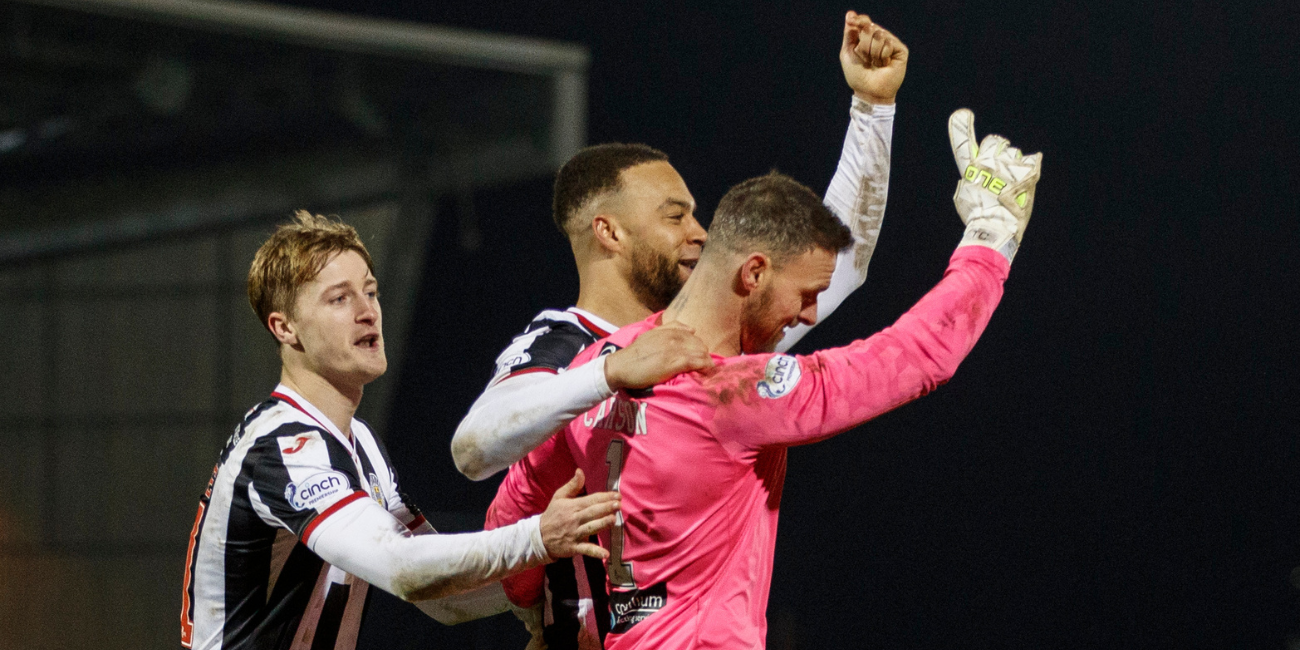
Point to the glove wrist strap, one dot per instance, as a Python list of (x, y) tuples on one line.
[(991, 234)]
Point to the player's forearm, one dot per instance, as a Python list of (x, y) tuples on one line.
[(488, 600), (513, 417), (860, 187), (367, 542), (857, 195), (921, 350)]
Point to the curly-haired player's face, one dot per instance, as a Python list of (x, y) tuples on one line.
[(657, 212), (785, 297), (338, 323)]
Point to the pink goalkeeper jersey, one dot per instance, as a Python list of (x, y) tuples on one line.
[(700, 462)]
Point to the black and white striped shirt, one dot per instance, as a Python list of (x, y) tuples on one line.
[(251, 580)]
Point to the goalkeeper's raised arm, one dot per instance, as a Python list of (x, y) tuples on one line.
[(844, 387)]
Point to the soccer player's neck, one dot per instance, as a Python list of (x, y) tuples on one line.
[(605, 291), (337, 400), (709, 305)]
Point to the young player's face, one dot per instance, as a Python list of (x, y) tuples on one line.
[(786, 298), (658, 213), (338, 322)]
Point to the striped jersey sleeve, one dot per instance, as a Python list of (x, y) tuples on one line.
[(298, 475), (549, 344)]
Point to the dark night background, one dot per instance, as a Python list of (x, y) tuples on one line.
[(1113, 466)]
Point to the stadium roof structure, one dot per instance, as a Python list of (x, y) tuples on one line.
[(123, 121)]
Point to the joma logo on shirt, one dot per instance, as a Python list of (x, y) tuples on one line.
[(317, 488), (298, 445), (618, 415)]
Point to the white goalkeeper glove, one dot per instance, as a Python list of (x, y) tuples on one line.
[(996, 193)]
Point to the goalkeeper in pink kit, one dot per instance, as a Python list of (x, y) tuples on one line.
[(700, 460)]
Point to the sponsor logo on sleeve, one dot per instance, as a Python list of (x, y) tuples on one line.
[(781, 376), (517, 353), (316, 490), (627, 608), (517, 359)]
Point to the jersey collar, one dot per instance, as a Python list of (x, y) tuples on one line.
[(598, 326), (292, 398)]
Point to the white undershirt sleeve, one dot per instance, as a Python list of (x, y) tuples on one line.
[(514, 416), (488, 600), (856, 195), (367, 541)]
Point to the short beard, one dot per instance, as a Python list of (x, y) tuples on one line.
[(654, 277), (752, 318)]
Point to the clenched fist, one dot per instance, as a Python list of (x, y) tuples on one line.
[(874, 60), (655, 356), (569, 521)]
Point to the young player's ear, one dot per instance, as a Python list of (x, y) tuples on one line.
[(282, 329), (608, 234)]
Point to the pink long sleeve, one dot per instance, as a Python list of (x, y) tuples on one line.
[(836, 389)]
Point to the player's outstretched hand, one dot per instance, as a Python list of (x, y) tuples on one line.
[(996, 193), (874, 60), (570, 520), (657, 355)]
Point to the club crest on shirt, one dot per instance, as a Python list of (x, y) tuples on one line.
[(315, 490), (780, 377), (377, 491)]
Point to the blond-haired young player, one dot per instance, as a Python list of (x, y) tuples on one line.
[(303, 513)]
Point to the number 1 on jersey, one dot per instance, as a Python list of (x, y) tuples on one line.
[(620, 572)]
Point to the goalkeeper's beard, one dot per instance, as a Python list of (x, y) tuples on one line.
[(654, 277), (758, 332)]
